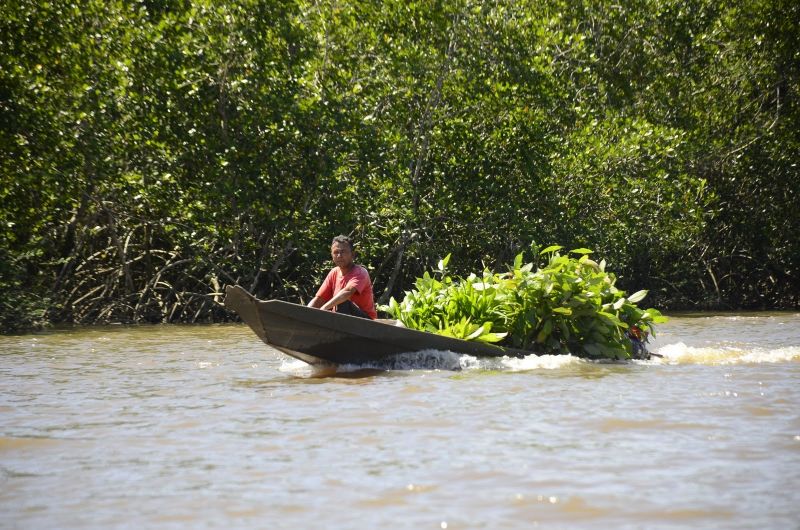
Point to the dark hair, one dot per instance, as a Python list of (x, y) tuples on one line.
[(343, 240)]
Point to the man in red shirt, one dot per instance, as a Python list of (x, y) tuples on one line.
[(347, 289)]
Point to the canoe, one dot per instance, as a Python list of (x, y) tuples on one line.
[(320, 337)]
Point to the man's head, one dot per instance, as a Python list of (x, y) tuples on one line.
[(342, 252)]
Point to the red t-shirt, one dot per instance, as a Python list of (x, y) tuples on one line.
[(358, 279)]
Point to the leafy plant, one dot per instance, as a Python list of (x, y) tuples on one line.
[(568, 305)]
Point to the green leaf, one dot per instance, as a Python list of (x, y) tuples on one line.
[(637, 296), (492, 337), (613, 319), (551, 248), (656, 316)]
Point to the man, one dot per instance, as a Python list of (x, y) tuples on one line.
[(347, 289)]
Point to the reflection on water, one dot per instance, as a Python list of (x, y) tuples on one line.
[(204, 426)]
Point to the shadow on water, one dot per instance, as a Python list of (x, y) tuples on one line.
[(359, 373), (317, 375)]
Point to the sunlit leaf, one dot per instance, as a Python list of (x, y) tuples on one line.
[(551, 248), (637, 296)]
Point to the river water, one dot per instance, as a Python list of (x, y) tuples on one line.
[(206, 427)]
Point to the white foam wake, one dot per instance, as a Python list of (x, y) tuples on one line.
[(680, 353), (540, 362), (436, 360)]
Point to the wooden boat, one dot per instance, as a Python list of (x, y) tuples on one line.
[(323, 337)]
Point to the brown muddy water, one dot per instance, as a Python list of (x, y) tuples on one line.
[(206, 427)]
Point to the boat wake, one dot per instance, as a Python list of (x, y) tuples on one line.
[(450, 361), (436, 360), (680, 353), (539, 362)]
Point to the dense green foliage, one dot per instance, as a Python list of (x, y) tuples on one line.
[(569, 305), (153, 151)]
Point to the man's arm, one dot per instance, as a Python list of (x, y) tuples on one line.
[(342, 296), (315, 302)]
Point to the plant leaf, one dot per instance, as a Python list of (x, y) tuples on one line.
[(551, 248), (637, 296)]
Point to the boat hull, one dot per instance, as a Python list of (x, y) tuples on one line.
[(323, 337)]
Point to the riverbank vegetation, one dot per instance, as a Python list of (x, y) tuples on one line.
[(152, 152)]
